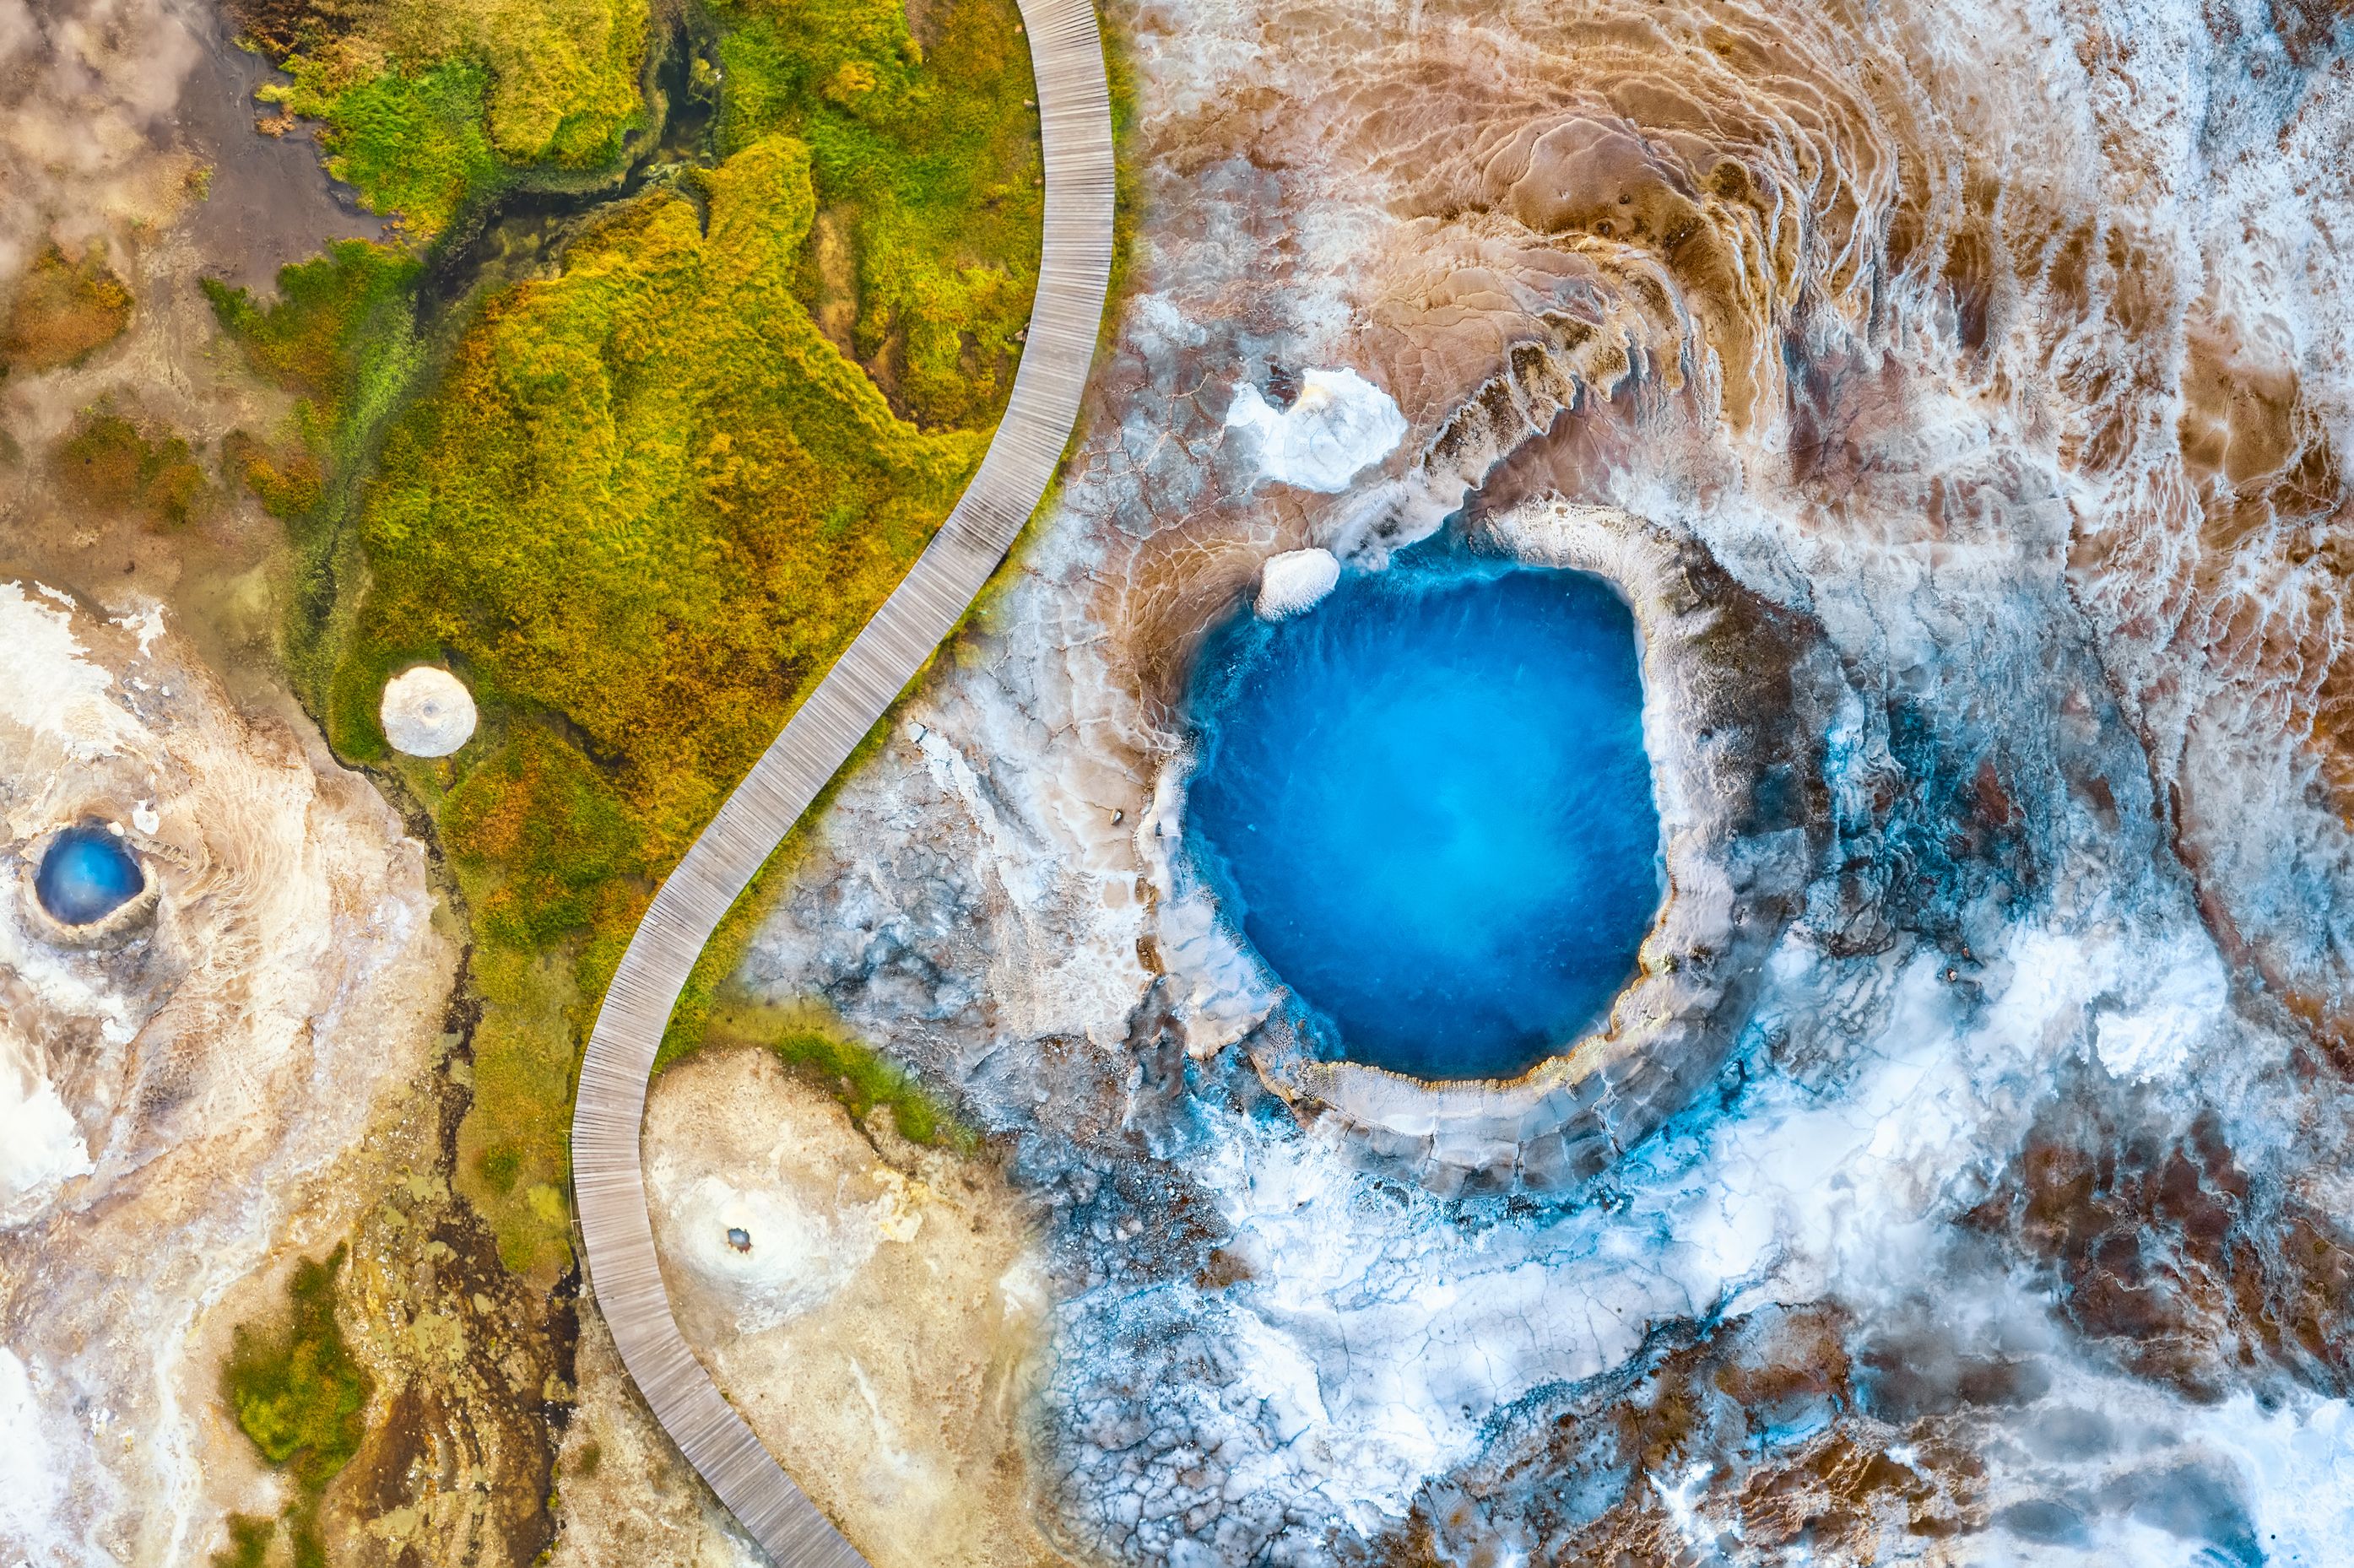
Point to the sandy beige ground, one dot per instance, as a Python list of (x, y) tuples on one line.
[(624, 1494), (877, 1314)]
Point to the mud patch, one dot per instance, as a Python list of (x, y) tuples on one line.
[(267, 202)]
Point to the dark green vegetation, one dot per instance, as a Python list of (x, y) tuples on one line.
[(642, 504), (249, 1535), (301, 1398), (412, 145), (64, 312)]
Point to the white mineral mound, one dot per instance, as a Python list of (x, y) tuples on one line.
[(776, 1249), (1294, 580), (426, 711), (1338, 423)]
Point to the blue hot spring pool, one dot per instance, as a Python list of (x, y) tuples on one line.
[(1427, 804), (86, 876)]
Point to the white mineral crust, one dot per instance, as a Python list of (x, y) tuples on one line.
[(1294, 580), (1339, 423), (183, 1104), (426, 711)]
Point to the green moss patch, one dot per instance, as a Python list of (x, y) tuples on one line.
[(249, 1535), (301, 1398), (650, 496), (640, 505), (288, 483), (649, 501), (540, 840), (428, 106), (926, 155), (338, 336), (411, 144)]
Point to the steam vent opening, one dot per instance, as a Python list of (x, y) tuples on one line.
[(87, 875), (1427, 804)]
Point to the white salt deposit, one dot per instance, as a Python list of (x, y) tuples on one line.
[(1294, 580), (46, 687), (426, 711), (770, 1250), (289, 985), (146, 624), (28, 1487), (39, 1144), (1339, 423)]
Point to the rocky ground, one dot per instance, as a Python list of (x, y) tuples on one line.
[(1998, 349), (260, 1064), (2005, 350), (198, 1095)]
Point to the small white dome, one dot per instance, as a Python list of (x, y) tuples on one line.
[(426, 711), (1293, 581), (1338, 424)]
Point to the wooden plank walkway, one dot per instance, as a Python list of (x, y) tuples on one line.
[(608, 1177)]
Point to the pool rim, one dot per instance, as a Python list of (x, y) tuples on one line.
[(1729, 675), (1452, 560), (133, 912)]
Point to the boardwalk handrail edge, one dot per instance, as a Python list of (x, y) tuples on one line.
[(607, 1171)]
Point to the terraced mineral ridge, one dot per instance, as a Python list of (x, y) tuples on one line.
[(1955, 392)]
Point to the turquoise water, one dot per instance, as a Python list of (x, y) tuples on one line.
[(1426, 803), (86, 876)]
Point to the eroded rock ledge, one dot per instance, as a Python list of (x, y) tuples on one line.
[(1738, 695)]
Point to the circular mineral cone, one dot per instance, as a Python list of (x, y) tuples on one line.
[(426, 711)]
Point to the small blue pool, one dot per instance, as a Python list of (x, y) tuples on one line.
[(86, 876), (1425, 803)]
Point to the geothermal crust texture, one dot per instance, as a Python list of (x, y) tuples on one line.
[(185, 1086), (1954, 392), (1951, 392)]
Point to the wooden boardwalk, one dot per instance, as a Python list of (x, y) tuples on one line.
[(608, 1176)]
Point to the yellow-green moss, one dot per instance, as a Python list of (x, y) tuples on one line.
[(642, 503), (540, 839), (649, 499), (513, 1154), (1128, 179), (648, 496), (929, 157), (339, 334), (287, 482), (107, 463), (300, 1396), (426, 105), (412, 145), (64, 312)]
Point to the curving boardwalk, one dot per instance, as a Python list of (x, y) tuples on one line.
[(608, 1177)]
